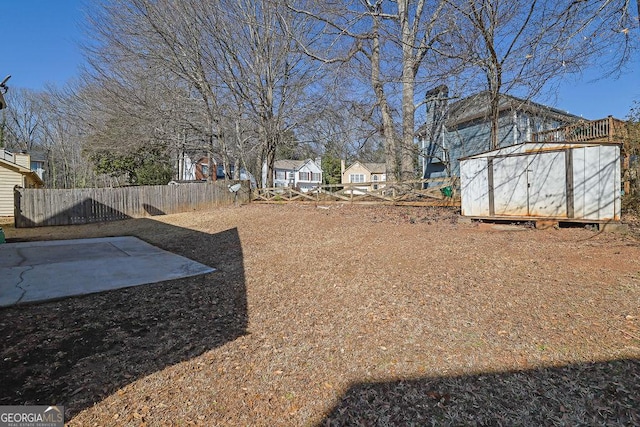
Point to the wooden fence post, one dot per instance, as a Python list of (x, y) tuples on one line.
[(610, 128), (17, 207)]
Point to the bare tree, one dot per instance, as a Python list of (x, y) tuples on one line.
[(23, 119), (140, 48), (394, 39), (631, 201), (65, 165), (522, 46), (261, 68), (232, 55)]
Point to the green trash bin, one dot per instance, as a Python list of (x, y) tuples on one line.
[(2, 240), (447, 191)]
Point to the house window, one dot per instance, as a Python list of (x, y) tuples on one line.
[(356, 177), (290, 176), (280, 175), (375, 177), (205, 170), (315, 177), (303, 176)]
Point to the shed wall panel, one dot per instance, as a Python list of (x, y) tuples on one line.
[(510, 185), (547, 184), (579, 183), (591, 185), (534, 182), (609, 169), (475, 184)]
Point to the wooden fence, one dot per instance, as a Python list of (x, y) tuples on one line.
[(45, 207), (424, 192)]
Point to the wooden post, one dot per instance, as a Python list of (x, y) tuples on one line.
[(610, 130), (17, 217), (625, 174)]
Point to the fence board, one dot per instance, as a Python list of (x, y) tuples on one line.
[(44, 207), (424, 192)]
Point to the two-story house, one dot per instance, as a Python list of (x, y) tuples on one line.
[(303, 174), (372, 175), (463, 128)]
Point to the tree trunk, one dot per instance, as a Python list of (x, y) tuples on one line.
[(270, 159), (407, 153), (388, 131)]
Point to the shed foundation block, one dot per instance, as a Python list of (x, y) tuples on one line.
[(613, 227), (545, 224)]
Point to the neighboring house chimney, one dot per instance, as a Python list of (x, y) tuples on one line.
[(436, 100), (433, 143), (342, 167)]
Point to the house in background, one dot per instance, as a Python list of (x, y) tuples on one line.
[(195, 168), (244, 174), (37, 161), (15, 170), (303, 174), (200, 170), (373, 174), (463, 128)]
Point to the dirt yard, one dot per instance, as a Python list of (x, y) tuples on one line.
[(342, 315)]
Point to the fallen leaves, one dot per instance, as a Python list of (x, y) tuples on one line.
[(344, 316)]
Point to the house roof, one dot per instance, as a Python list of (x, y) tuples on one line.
[(290, 164), (22, 170), (371, 167), (478, 106), (38, 156), (375, 167)]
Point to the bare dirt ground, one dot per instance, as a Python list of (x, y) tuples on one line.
[(342, 315)]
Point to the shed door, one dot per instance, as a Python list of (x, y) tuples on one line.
[(510, 186), (530, 185), (547, 185)]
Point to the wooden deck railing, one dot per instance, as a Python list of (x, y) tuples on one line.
[(603, 130), (424, 192)]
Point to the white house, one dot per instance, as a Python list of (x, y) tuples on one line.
[(303, 174)]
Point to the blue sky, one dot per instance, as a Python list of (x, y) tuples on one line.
[(40, 41), (40, 45)]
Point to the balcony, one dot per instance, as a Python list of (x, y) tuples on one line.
[(603, 130)]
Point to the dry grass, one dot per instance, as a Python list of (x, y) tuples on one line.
[(342, 316)]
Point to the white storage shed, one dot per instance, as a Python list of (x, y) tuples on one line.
[(560, 181)]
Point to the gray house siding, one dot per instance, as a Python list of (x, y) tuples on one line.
[(475, 138), (443, 143)]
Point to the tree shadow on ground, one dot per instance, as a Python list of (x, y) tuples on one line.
[(606, 393), (79, 350)]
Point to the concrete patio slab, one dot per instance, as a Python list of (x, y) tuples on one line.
[(41, 271)]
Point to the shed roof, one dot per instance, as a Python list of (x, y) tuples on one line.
[(536, 147)]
